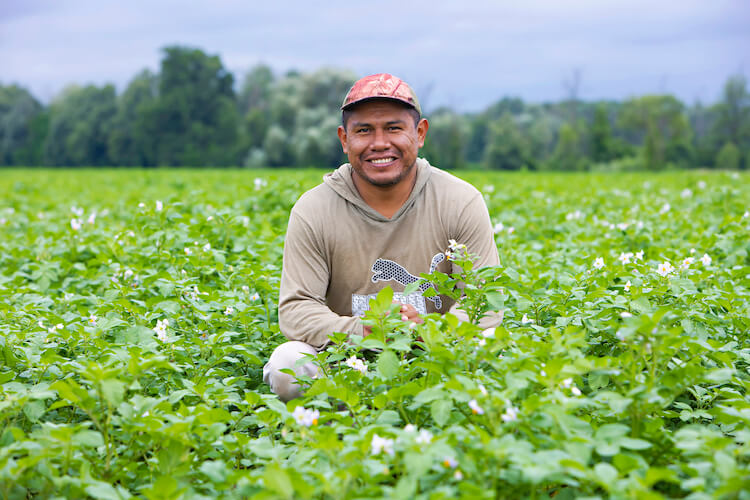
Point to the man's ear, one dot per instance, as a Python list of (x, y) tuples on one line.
[(422, 128), (342, 137)]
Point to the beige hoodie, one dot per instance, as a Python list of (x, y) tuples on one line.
[(339, 252)]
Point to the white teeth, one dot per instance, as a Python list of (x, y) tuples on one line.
[(382, 160)]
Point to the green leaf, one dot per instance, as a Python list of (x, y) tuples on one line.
[(113, 391), (440, 409), (34, 410), (606, 474), (88, 438), (215, 470), (633, 444), (388, 364), (277, 479)]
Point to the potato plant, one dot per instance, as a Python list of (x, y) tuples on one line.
[(137, 309)]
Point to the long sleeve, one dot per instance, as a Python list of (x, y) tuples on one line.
[(303, 313), (473, 228)]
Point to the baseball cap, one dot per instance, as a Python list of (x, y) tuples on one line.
[(381, 86)]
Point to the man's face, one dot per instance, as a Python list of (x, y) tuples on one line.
[(382, 142)]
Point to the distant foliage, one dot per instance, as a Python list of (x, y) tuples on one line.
[(191, 113)]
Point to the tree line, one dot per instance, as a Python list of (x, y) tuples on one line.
[(191, 113)]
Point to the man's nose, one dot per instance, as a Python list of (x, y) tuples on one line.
[(380, 140)]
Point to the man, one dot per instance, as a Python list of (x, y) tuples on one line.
[(380, 220)]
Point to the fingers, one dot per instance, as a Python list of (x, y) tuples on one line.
[(410, 314)]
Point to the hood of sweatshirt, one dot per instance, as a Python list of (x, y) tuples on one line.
[(340, 180)]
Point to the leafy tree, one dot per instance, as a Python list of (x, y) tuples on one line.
[(129, 142), (601, 136), (728, 157), (733, 112), (446, 138), (278, 148), (256, 89), (507, 147), (19, 119), (667, 131), (79, 127), (195, 116), (568, 155)]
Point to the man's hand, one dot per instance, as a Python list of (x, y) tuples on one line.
[(408, 315)]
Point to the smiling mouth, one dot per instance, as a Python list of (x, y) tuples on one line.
[(382, 161)]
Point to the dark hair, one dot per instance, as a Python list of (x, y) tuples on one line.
[(347, 113)]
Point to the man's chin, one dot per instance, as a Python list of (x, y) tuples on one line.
[(388, 180)]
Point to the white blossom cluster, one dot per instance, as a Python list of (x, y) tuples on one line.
[(356, 364), (380, 445), (306, 417), (161, 329)]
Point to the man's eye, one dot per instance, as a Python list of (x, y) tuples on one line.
[(395, 127)]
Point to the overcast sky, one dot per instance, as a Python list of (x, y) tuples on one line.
[(465, 57)]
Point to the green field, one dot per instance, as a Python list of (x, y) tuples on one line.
[(620, 369)]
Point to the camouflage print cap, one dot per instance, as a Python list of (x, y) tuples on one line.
[(383, 86)]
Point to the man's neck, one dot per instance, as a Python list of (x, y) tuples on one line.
[(386, 200)]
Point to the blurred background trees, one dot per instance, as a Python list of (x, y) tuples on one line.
[(193, 113)]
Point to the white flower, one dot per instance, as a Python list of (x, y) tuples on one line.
[(701, 185), (625, 314), (706, 259), (255, 296), (92, 320), (207, 247), (686, 193), (229, 311), (141, 205), (746, 214), (159, 205), (574, 215), (188, 251), (575, 390), (627, 286), (450, 462), (692, 251), (625, 257), (686, 262), (356, 364), (424, 437), (665, 208), (622, 226), (92, 218), (458, 475), (498, 227), (455, 250), (511, 229), (75, 224), (380, 445), (526, 320), (482, 389), (511, 414), (161, 329), (127, 274), (77, 211), (475, 408), (639, 255), (245, 288), (259, 183), (306, 417), (664, 268), (410, 428), (209, 218), (598, 263)]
